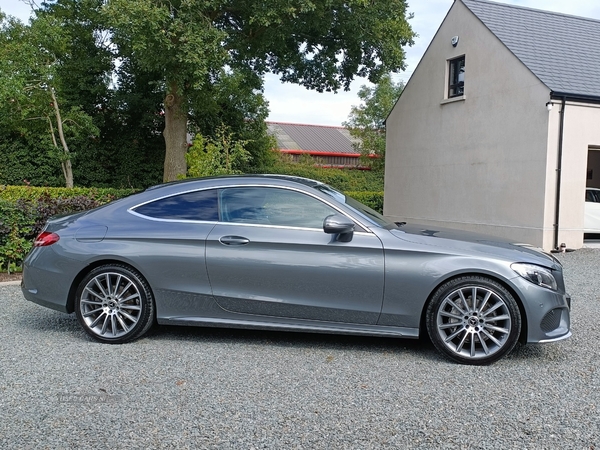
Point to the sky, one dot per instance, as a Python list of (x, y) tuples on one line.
[(295, 104)]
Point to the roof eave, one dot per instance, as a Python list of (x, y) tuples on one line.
[(582, 98)]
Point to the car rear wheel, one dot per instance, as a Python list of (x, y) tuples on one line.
[(473, 320), (114, 304)]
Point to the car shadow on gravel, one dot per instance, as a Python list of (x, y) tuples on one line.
[(421, 348), (291, 339), (49, 320), (67, 324), (44, 320)]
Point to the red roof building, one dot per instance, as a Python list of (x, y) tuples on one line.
[(333, 146)]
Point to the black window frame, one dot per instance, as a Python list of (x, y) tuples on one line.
[(456, 87)]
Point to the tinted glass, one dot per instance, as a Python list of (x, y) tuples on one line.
[(197, 205), (273, 206), (592, 195), (589, 196), (366, 212)]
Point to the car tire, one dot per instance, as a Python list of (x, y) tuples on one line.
[(473, 332), (114, 304)]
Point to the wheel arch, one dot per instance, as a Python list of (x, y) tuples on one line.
[(87, 269), (522, 332)]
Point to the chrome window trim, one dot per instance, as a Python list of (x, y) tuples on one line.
[(359, 222), (285, 227), (156, 219)]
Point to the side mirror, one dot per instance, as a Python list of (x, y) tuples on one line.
[(338, 224)]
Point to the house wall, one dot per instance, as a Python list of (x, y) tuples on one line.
[(581, 132), (479, 163)]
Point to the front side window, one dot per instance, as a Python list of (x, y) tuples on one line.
[(197, 206), (363, 210), (273, 206), (456, 82)]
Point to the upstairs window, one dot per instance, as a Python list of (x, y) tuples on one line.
[(456, 80)]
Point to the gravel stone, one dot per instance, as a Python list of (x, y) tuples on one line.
[(183, 387)]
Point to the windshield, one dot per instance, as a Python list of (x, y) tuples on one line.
[(363, 210)]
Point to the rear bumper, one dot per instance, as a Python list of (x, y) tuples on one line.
[(47, 283), (32, 296)]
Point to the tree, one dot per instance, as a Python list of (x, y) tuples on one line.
[(321, 44), (366, 122), (234, 99), (30, 59), (222, 155)]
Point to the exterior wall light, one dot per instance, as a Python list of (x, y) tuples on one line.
[(549, 106), (454, 41)]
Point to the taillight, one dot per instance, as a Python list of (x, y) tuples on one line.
[(45, 238)]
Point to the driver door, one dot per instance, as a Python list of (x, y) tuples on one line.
[(269, 256)]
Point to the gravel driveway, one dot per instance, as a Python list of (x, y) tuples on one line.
[(208, 388)]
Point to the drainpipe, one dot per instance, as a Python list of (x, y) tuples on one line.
[(559, 171)]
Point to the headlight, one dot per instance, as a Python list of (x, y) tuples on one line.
[(536, 274)]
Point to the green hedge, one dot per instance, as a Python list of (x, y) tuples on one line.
[(24, 211), (102, 195), (345, 180), (373, 200)]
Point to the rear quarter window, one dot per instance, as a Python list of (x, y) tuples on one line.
[(197, 206)]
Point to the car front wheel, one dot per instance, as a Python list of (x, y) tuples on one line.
[(114, 304), (473, 320)]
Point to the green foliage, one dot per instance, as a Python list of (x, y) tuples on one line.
[(192, 46), (24, 211), (213, 53), (100, 195), (24, 159), (221, 155), (321, 45), (366, 186), (130, 151), (16, 223), (367, 121), (345, 180), (234, 99), (30, 60), (374, 200), (129, 148)]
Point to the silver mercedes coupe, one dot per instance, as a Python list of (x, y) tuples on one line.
[(287, 253)]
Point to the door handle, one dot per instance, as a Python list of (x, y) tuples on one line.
[(234, 240)]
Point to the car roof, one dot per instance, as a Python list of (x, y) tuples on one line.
[(290, 178)]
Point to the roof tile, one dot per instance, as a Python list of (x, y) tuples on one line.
[(563, 51), (314, 138)]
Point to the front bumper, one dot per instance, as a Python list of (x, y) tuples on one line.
[(548, 313)]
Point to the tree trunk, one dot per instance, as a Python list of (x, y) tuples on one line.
[(66, 163), (175, 134)]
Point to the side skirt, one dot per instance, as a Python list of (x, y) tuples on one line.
[(298, 326)]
